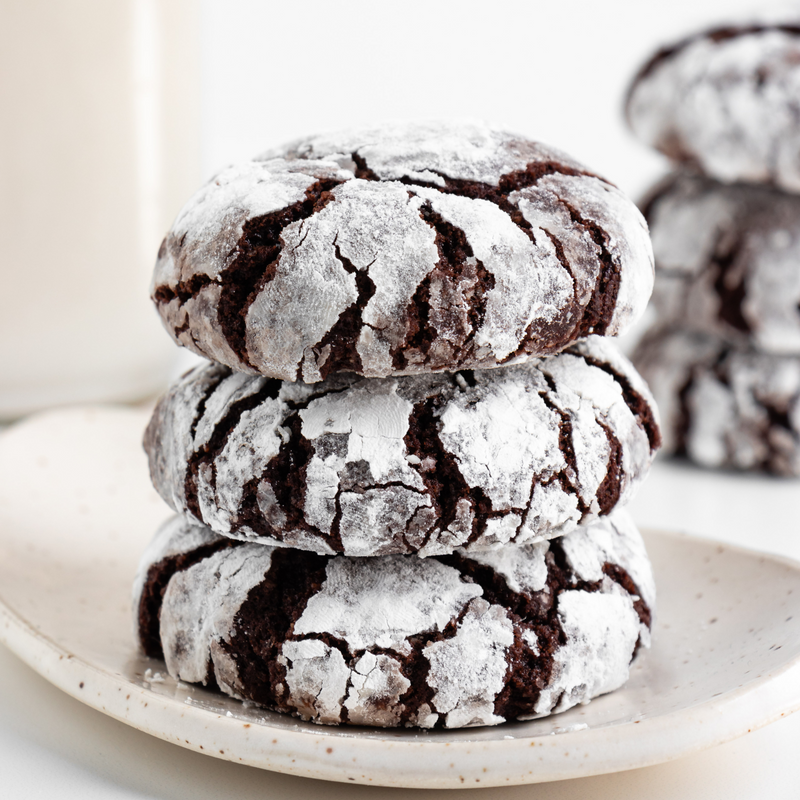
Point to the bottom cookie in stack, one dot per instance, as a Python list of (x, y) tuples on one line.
[(723, 405), (447, 641)]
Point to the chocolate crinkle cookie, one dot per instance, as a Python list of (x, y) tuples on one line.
[(723, 405), (726, 102), (421, 464), (454, 641), (397, 250), (728, 261)]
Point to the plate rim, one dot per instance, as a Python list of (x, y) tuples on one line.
[(331, 753)]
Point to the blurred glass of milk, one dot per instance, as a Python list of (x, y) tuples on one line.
[(99, 148)]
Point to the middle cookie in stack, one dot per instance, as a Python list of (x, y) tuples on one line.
[(444, 264)]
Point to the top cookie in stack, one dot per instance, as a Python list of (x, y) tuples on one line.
[(395, 314), (724, 358), (400, 250)]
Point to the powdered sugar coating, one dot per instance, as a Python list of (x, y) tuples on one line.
[(172, 539), (426, 152), (724, 406), (468, 671), (727, 261), (726, 102), (396, 640), (432, 595), (420, 464), (205, 599), (400, 249), (596, 626)]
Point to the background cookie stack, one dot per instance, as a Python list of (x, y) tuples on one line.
[(723, 359), (399, 482)]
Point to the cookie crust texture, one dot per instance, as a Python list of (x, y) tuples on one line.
[(425, 463), (726, 102), (722, 405), (728, 261), (399, 250), (454, 641)]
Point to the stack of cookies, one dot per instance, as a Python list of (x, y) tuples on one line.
[(399, 482), (723, 358)]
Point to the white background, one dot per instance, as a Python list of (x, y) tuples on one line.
[(554, 71)]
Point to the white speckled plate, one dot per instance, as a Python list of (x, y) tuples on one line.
[(76, 510)]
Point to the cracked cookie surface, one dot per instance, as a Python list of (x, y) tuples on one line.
[(722, 405), (455, 641), (424, 463), (726, 102), (398, 250), (727, 261)]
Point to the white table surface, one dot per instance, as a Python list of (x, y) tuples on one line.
[(53, 746)]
